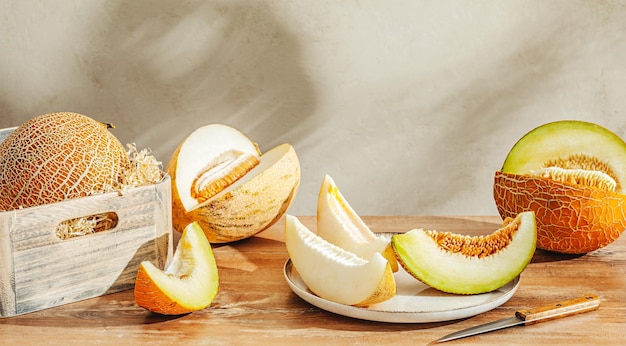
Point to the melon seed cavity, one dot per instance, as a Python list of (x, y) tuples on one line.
[(480, 246), (587, 169), (224, 170)]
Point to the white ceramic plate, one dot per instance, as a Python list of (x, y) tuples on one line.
[(415, 302)]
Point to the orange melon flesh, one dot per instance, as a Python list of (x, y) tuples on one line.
[(580, 213)]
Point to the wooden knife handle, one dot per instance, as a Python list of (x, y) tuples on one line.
[(588, 302)]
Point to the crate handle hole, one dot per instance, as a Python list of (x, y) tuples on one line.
[(86, 225)]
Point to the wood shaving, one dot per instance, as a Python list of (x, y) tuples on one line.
[(144, 170)]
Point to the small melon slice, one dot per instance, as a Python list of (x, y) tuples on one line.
[(189, 283), (572, 174), (221, 180), (468, 265), (339, 224), (335, 274)]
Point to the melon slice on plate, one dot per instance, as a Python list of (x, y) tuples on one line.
[(339, 224), (335, 274), (461, 264), (189, 283), (221, 180), (572, 174)]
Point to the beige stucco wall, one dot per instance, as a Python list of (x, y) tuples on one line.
[(409, 105)]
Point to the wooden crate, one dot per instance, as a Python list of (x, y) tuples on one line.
[(38, 270)]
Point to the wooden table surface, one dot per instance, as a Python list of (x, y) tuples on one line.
[(256, 306)]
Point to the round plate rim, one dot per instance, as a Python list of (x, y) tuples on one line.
[(396, 316)]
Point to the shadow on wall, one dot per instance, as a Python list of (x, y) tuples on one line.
[(479, 103), (481, 106), (160, 69), (207, 63)]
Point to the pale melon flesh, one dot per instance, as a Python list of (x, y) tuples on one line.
[(572, 174), (199, 148), (455, 272), (339, 224), (221, 180), (561, 139), (189, 283), (335, 274)]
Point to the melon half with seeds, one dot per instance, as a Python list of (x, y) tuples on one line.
[(334, 273), (59, 156), (221, 180), (464, 264), (572, 174)]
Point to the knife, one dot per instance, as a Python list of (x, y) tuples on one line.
[(587, 302)]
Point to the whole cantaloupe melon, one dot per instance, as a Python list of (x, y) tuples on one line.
[(58, 156)]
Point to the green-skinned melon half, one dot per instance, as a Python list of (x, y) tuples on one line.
[(572, 174), (463, 264)]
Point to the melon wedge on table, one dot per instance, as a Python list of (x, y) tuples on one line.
[(189, 283), (335, 274)]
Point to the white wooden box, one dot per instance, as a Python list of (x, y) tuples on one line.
[(38, 270)]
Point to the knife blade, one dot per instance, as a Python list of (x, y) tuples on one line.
[(587, 302)]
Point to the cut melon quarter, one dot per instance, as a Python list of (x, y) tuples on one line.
[(335, 274), (189, 283), (211, 158), (251, 204), (561, 139), (277, 169), (339, 224), (220, 180)]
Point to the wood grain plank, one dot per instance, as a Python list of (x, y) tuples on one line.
[(255, 306)]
